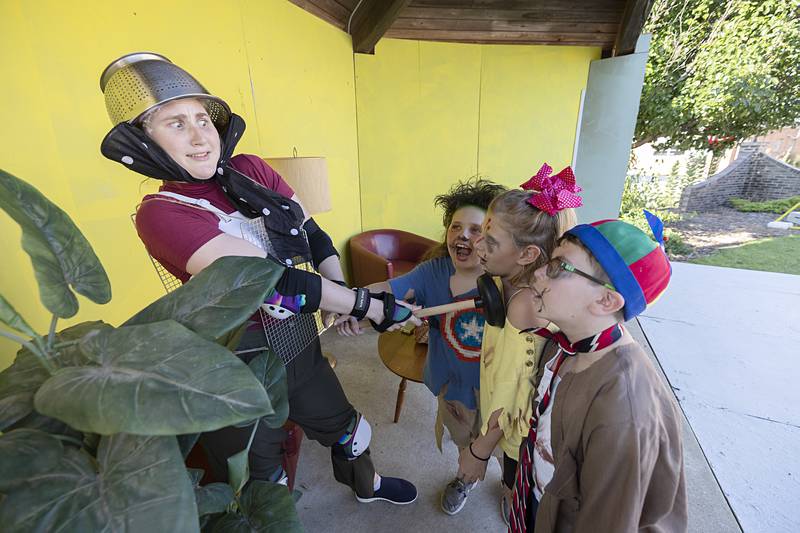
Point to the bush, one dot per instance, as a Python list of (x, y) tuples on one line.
[(657, 197), (673, 241), (779, 206)]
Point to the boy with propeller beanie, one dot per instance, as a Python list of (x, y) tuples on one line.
[(604, 451)]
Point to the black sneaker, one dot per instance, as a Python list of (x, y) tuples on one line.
[(393, 490)]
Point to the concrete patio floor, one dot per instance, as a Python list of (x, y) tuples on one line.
[(729, 342), (749, 443)]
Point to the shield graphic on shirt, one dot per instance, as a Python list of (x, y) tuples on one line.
[(463, 332)]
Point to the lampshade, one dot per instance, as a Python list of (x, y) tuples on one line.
[(308, 176)]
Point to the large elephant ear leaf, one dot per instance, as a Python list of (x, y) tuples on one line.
[(23, 453), (264, 508), (18, 384), (135, 484), (213, 498), (20, 381), (271, 372), (60, 254), (218, 299), (160, 378), (186, 442)]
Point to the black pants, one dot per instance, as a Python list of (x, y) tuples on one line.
[(530, 512), (509, 471), (317, 404)]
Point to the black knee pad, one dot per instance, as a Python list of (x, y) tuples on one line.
[(356, 440)]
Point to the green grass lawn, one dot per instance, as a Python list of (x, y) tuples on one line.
[(778, 254)]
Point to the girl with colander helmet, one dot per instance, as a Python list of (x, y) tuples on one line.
[(167, 126)]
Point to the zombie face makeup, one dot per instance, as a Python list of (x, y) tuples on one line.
[(498, 254), (462, 233)]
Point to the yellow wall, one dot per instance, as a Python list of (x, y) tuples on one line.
[(288, 73), (397, 128), (432, 113)]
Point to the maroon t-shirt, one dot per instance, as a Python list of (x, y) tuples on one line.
[(172, 232)]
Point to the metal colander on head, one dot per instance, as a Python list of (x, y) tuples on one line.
[(136, 82)]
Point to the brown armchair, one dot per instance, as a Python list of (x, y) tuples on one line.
[(382, 254)]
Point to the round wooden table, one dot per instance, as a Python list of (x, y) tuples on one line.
[(402, 355)]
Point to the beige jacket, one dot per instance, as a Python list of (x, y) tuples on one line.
[(616, 436)]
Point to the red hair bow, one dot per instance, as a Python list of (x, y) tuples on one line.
[(553, 193)]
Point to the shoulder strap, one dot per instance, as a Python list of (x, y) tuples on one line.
[(202, 203)]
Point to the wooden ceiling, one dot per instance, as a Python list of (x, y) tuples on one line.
[(613, 25)]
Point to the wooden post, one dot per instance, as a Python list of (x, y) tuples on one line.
[(633, 19), (371, 21)]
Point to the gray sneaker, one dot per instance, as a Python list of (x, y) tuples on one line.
[(455, 496)]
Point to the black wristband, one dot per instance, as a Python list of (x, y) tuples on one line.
[(476, 457), (361, 306), (389, 312)]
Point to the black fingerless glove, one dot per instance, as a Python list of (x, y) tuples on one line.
[(392, 312)]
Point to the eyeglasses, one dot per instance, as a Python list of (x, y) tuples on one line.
[(557, 265)]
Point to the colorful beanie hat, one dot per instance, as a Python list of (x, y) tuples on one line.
[(636, 264)]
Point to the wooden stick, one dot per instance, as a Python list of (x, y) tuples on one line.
[(446, 308)]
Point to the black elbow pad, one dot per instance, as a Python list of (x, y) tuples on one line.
[(296, 282), (320, 243)]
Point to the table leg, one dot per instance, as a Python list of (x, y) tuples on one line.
[(401, 390)]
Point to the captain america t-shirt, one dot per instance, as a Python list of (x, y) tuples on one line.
[(454, 340)]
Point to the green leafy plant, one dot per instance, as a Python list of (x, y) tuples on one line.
[(97, 420), (779, 206), (658, 197)]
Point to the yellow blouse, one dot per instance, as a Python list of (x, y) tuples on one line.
[(508, 363)]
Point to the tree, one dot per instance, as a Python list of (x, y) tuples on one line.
[(719, 71)]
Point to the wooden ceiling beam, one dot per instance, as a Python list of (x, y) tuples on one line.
[(405, 23), (328, 10), (598, 14), (371, 20), (518, 4), (633, 19), (505, 37)]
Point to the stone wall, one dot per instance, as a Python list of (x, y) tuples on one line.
[(754, 176), (772, 179)]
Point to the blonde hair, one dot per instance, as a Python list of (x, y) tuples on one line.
[(528, 225)]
